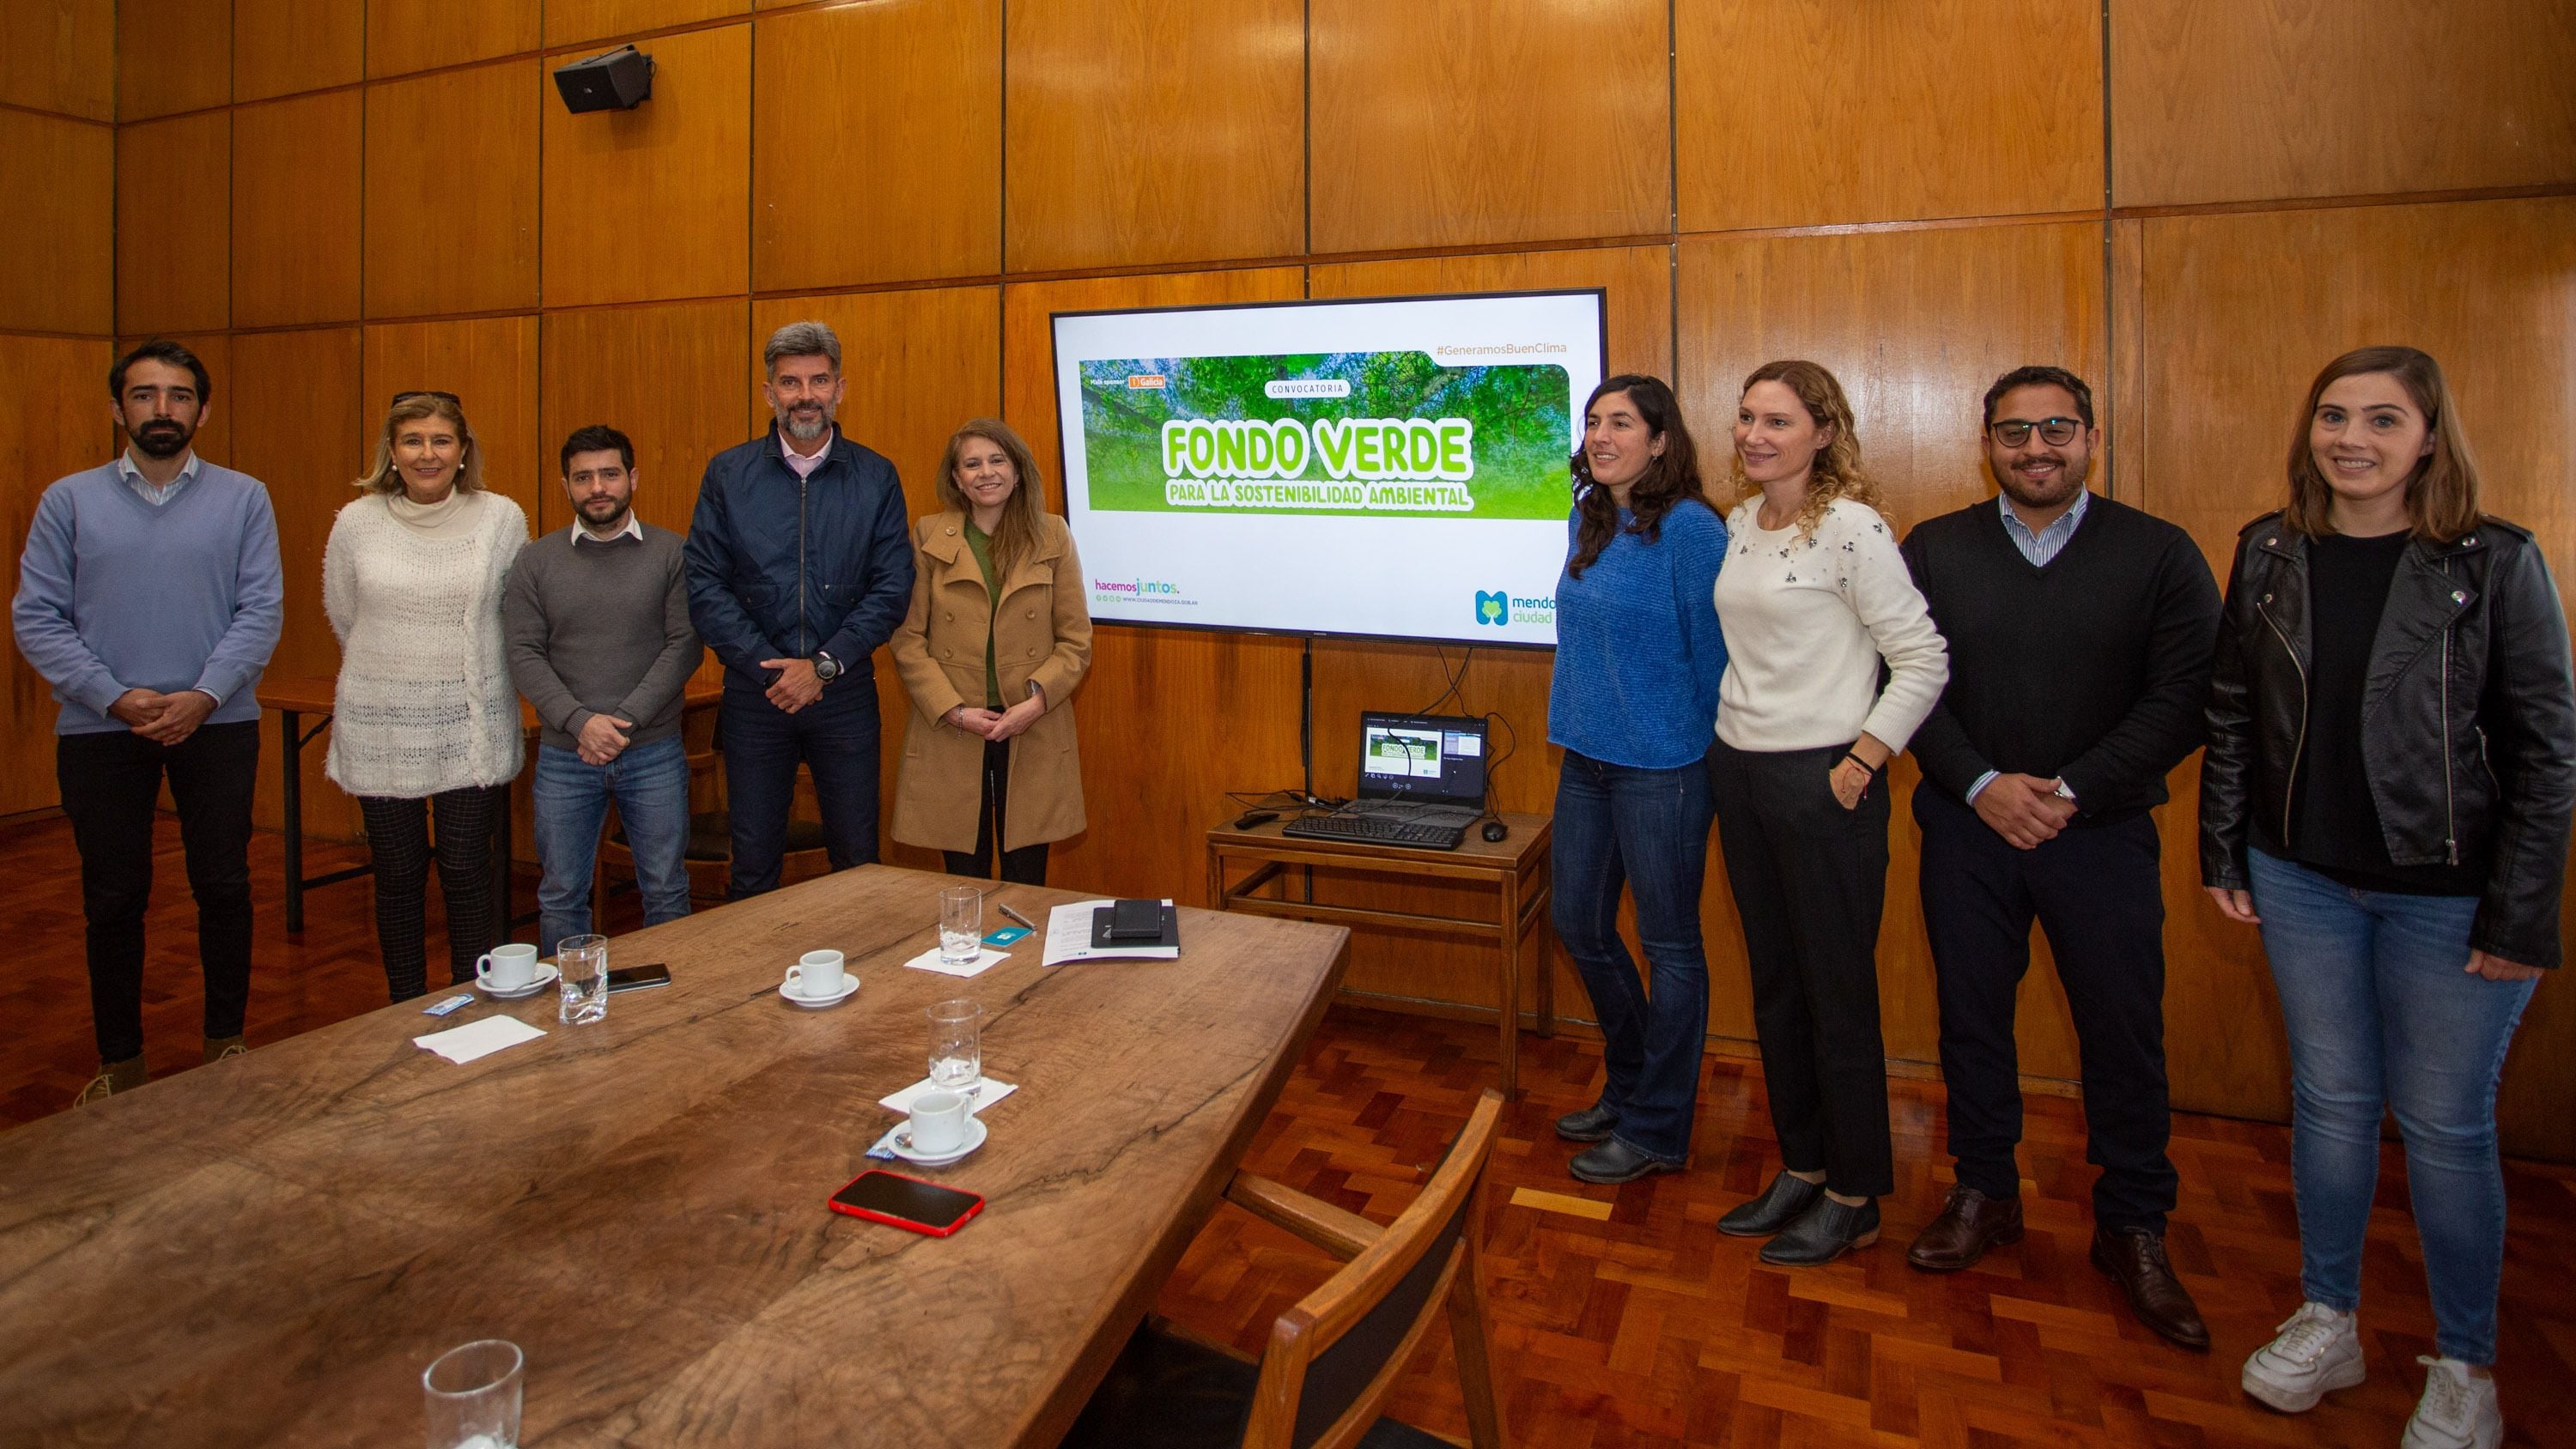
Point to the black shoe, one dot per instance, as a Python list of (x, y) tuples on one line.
[(1592, 1124), (1779, 1205), (1824, 1234), (1616, 1161)]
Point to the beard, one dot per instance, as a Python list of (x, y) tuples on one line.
[(805, 426), (605, 512), (161, 438), (2062, 489)]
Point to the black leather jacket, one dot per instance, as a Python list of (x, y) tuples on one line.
[(2468, 720)]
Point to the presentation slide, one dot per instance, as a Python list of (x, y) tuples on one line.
[(1387, 468)]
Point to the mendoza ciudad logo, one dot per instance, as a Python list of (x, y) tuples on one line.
[(1499, 608)]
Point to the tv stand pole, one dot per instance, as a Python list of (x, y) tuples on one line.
[(1306, 718)]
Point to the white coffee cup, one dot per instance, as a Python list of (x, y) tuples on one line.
[(506, 968), (938, 1123), (815, 976)]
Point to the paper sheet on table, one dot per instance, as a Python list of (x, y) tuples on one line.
[(985, 960), (463, 1044), (986, 1095), (1069, 938)]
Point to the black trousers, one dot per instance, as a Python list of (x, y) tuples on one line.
[(1810, 880), (110, 783), (835, 738), (1024, 866), (2096, 891), (398, 837)]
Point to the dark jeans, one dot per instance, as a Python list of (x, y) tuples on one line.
[(1647, 829), (1810, 879), (2097, 891), (398, 841), (835, 738), (110, 782), (1024, 866)]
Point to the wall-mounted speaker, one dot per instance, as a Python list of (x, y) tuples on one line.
[(621, 80)]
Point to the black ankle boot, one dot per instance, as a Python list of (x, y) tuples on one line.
[(1593, 1124), (1779, 1205), (1826, 1231)]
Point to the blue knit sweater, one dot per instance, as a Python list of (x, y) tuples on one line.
[(1638, 651)]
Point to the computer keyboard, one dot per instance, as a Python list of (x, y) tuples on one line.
[(1375, 830)]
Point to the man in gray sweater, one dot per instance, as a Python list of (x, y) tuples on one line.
[(596, 621)]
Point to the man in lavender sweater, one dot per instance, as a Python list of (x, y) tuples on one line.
[(150, 598)]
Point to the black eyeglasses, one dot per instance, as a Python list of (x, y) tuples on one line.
[(2055, 432), (446, 397)]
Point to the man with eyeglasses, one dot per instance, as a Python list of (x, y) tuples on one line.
[(150, 598), (2081, 637)]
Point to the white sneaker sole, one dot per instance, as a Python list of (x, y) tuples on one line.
[(2298, 1401)]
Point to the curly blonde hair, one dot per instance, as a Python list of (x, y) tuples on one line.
[(1836, 472)]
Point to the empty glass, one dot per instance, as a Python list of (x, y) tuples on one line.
[(583, 960), (474, 1396), (961, 925), (957, 1047)]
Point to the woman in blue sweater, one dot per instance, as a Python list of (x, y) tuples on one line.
[(1634, 705)]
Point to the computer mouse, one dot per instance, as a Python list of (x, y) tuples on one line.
[(1496, 830)]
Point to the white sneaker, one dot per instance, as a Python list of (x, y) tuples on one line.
[(2458, 1411), (2319, 1350)]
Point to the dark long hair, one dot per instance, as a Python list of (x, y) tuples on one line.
[(1668, 480)]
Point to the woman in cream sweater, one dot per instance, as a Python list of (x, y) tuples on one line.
[(424, 720)]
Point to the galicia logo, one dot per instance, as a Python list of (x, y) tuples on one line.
[(1494, 608)]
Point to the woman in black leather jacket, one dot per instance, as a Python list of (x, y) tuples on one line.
[(2387, 791)]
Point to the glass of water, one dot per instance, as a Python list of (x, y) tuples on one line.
[(474, 1394), (583, 960), (957, 1047), (961, 925)]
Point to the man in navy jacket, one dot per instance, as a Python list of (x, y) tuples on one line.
[(799, 565)]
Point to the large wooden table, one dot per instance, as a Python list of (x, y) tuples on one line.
[(270, 1250)]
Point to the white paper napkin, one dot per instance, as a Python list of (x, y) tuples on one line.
[(985, 1096), (478, 1039), (985, 960)]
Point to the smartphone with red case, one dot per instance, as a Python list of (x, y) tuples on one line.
[(907, 1202)]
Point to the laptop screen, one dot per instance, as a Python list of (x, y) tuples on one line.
[(1431, 758)]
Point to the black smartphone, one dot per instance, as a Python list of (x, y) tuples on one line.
[(636, 978), (906, 1202)]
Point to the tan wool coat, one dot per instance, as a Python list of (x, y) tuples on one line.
[(1041, 635)]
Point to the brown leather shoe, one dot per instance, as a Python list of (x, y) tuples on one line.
[(1970, 1223), (2135, 1259)]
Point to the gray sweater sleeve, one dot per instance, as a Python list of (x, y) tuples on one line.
[(523, 639), (678, 660)]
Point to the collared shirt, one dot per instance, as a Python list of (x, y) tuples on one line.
[(150, 492), (803, 465), (634, 529), (2039, 548)]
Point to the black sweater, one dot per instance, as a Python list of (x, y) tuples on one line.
[(2092, 670)]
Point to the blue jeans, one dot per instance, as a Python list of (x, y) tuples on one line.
[(835, 738), (2381, 1015), (650, 784), (1647, 829)]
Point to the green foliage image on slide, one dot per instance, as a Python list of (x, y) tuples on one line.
[(1408, 438)]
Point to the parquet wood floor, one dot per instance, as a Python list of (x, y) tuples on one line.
[(1622, 1317)]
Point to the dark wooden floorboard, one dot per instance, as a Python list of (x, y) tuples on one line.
[(1642, 1327)]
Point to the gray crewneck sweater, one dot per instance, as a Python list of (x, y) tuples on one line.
[(600, 628)]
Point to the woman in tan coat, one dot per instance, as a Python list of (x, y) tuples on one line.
[(997, 640)]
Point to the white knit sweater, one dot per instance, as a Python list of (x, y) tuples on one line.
[(1807, 620), (424, 702)]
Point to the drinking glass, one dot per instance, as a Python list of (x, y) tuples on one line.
[(961, 925), (583, 960), (957, 1047), (474, 1396)]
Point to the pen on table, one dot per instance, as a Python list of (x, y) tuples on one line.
[(1016, 916)]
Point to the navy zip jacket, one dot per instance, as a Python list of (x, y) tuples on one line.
[(785, 568)]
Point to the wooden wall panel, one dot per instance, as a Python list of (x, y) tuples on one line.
[(653, 203), (912, 94), (414, 35), (1638, 282), (56, 389), (174, 277), (490, 363), (445, 236), (284, 46), (2241, 312), (669, 377), (1804, 112), (171, 56), (2287, 98), (214, 440), (57, 255), (1425, 134), (296, 424), (59, 55), (572, 21), (297, 168), (1149, 132)]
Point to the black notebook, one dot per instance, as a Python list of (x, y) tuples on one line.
[(1104, 935)]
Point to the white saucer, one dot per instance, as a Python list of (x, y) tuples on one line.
[(901, 1145), (546, 976), (849, 985)]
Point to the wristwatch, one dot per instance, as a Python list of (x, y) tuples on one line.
[(826, 668)]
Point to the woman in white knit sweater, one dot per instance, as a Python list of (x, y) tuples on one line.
[(424, 719), (1813, 597)]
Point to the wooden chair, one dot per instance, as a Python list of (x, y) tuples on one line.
[(1333, 1357)]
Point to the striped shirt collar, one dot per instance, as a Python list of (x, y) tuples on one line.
[(149, 491), (2044, 545)]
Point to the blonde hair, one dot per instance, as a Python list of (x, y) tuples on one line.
[(2441, 497), (1017, 535), (410, 407), (1836, 472)]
